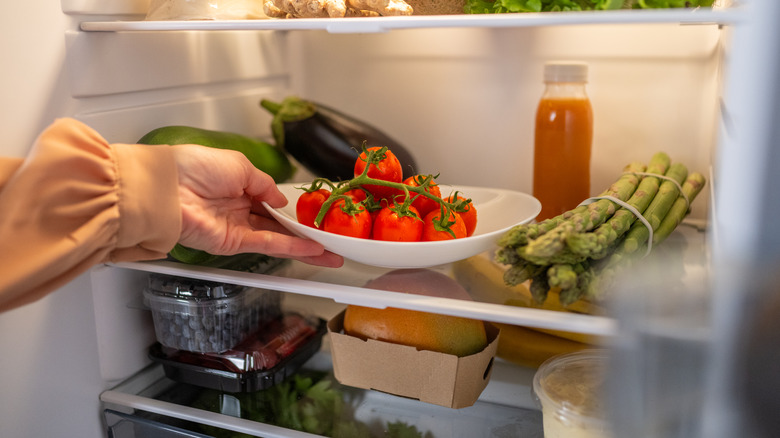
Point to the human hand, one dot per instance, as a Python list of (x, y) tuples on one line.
[(220, 193)]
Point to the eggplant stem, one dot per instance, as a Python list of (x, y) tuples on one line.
[(272, 107)]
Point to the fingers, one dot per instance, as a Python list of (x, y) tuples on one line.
[(272, 238), (263, 221), (259, 186), (260, 210), (220, 195), (327, 260), (276, 243), (286, 246), (214, 173)]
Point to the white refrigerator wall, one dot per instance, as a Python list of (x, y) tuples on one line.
[(48, 368), (462, 99)]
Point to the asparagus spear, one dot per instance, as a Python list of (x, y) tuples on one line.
[(539, 287), (563, 275), (521, 272), (508, 256), (691, 188), (521, 234), (592, 245), (585, 277), (572, 280), (564, 255), (667, 194)]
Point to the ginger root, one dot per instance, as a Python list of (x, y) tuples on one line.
[(382, 7), (334, 8), (305, 8)]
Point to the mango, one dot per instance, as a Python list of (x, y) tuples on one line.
[(422, 330)]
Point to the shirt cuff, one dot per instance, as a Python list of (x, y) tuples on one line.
[(149, 210)]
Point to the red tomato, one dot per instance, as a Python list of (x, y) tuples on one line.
[(469, 216), (356, 223), (389, 225), (308, 206), (431, 233), (389, 169), (423, 204), (357, 195)]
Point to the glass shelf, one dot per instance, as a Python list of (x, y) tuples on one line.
[(343, 286), (385, 24), (506, 407)]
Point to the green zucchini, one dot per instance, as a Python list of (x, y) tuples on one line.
[(264, 156)]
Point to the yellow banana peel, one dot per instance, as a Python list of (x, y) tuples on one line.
[(484, 280), (530, 348)]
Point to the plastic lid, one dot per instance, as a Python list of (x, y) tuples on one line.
[(189, 289), (566, 71)]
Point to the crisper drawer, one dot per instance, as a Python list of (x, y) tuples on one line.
[(312, 403)]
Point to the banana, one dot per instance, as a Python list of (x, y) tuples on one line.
[(484, 280), (528, 347)]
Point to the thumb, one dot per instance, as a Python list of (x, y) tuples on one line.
[(260, 186)]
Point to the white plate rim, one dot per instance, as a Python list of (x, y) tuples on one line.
[(412, 254)]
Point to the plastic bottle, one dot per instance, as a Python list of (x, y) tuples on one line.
[(563, 139)]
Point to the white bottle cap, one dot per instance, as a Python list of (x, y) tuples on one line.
[(565, 71)]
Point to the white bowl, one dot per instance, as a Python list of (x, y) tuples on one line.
[(498, 210)]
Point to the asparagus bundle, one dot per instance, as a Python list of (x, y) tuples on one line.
[(580, 251), (635, 243)]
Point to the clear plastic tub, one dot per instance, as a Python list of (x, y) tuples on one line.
[(569, 389), (205, 10), (204, 316)]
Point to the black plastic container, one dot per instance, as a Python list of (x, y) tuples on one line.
[(244, 368)]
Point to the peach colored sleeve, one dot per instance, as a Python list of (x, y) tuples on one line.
[(77, 201)]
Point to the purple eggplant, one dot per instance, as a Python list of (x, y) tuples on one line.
[(326, 141)]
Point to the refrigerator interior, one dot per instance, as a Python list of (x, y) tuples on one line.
[(463, 99)]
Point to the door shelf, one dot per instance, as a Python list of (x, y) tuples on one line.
[(383, 24)]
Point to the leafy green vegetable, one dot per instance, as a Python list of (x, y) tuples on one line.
[(659, 4), (403, 430), (309, 402), (504, 6)]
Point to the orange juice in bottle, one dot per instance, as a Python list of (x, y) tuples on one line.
[(562, 140)]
